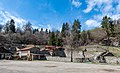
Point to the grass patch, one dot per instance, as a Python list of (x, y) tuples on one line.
[(114, 50)]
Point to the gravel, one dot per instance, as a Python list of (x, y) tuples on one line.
[(7, 66)]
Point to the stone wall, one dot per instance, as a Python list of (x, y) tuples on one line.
[(81, 60), (58, 59), (67, 59), (76, 54)]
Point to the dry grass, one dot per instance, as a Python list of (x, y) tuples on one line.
[(114, 50)]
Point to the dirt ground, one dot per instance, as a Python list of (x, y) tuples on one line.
[(54, 67)]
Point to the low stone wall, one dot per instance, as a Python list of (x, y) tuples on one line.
[(58, 59), (112, 60), (67, 59), (76, 54), (81, 60)]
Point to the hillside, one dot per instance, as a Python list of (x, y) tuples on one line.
[(99, 48), (98, 34)]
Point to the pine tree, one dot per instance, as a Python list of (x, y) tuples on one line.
[(84, 37), (57, 39), (6, 27), (28, 27), (73, 37), (67, 29), (12, 26), (1, 27), (75, 32), (112, 29), (63, 30), (35, 30), (105, 24), (46, 31), (108, 26), (52, 39)]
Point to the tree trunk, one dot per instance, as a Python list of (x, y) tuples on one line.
[(83, 53), (71, 54), (108, 43)]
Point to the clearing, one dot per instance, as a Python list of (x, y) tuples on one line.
[(7, 66)]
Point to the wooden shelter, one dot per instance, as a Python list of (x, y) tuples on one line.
[(5, 54), (31, 53), (55, 51)]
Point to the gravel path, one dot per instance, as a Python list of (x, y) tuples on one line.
[(54, 67)]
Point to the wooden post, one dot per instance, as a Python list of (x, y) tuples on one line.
[(71, 54), (32, 57)]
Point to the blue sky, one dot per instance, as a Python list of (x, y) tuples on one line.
[(52, 13)]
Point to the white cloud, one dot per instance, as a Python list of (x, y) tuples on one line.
[(104, 7), (6, 16), (49, 27), (19, 22), (118, 7), (76, 3), (36, 27), (115, 17), (92, 23), (96, 20), (90, 5), (98, 17), (98, 4), (107, 9)]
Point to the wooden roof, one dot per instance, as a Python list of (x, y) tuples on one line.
[(50, 47), (57, 47), (25, 49)]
